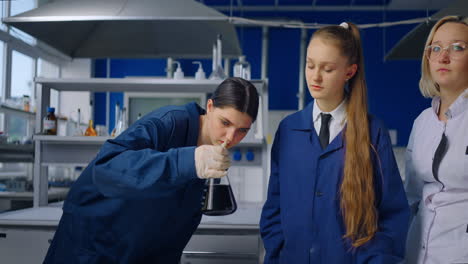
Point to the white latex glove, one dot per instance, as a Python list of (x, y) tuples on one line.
[(211, 161)]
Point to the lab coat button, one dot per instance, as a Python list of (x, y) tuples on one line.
[(318, 194)]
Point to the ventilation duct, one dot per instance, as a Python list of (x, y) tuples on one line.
[(411, 46), (129, 28)]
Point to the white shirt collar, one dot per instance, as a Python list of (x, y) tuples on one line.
[(338, 114), (337, 122), (457, 107)]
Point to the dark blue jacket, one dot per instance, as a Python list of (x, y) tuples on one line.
[(139, 200), (301, 220)]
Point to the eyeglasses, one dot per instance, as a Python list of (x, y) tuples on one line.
[(455, 51)]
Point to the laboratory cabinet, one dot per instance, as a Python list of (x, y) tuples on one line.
[(25, 236), (230, 239), (30, 245), (24, 245), (241, 245)]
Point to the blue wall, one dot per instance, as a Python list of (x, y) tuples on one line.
[(393, 85)]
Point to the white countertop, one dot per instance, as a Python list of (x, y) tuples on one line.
[(53, 193), (39, 216), (247, 216)]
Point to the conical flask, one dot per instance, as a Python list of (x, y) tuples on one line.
[(219, 199), (218, 72)]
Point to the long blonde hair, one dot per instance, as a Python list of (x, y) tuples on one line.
[(357, 196), (427, 86)]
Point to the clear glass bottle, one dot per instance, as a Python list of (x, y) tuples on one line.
[(121, 123), (116, 119), (90, 131), (77, 130), (50, 122), (242, 68), (26, 103)]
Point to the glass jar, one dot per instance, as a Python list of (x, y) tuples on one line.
[(242, 68), (50, 122)]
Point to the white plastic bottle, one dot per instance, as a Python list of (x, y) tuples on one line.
[(200, 74), (178, 74), (242, 68)]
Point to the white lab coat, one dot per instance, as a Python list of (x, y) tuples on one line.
[(439, 230)]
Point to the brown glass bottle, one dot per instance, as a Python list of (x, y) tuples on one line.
[(90, 132), (50, 122)]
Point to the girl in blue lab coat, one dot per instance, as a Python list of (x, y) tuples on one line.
[(139, 200), (336, 197)]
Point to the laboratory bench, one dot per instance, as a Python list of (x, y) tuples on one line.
[(25, 236)]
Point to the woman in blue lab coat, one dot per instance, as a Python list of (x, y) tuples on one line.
[(335, 194), (139, 200)]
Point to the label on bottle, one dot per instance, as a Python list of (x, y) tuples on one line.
[(237, 71), (49, 124), (246, 75)]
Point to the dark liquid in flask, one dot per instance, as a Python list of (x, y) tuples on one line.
[(219, 200)]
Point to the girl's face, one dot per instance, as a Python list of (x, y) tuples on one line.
[(226, 124), (448, 69), (327, 71)]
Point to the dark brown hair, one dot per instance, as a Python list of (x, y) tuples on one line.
[(237, 93)]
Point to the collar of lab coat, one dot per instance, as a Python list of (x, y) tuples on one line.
[(457, 107), (194, 122), (303, 122)]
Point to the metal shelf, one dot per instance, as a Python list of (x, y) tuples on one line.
[(65, 150), (16, 153), (15, 111), (50, 139), (80, 150), (71, 139), (133, 84)]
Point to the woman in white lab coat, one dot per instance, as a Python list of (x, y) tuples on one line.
[(437, 153)]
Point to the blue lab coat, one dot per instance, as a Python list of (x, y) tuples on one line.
[(139, 200), (301, 220)]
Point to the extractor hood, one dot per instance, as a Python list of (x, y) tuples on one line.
[(411, 46), (129, 28)]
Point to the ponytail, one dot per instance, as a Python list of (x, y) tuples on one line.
[(357, 195)]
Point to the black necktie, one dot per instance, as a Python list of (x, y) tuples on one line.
[(324, 135), (439, 154)]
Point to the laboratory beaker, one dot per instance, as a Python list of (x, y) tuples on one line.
[(219, 199)]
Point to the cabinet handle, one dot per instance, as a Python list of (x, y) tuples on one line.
[(3, 235)]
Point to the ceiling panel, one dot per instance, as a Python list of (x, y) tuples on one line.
[(296, 2), (389, 4), (257, 2), (332, 2), (372, 2), (217, 2)]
